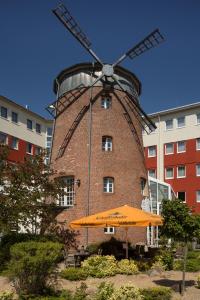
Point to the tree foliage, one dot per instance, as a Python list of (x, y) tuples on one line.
[(179, 223), (26, 192)]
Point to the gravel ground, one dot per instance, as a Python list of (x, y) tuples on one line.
[(168, 279)]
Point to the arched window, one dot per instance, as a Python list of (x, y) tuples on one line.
[(106, 102), (67, 197), (108, 184), (106, 143)]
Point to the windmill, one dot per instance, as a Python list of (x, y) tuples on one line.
[(107, 75)]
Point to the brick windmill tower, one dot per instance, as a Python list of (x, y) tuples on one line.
[(97, 145)]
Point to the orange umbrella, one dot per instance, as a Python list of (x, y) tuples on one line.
[(124, 216)]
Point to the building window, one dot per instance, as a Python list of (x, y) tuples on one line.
[(151, 151), (3, 138), (152, 173), (106, 102), (169, 124), (181, 146), (198, 196), (4, 112), (181, 122), (108, 185), (198, 169), (143, 185), (29, 124), (29, 148), (109, 230), (15, 143), (68, 195), (198, 144), (169, 173), (38, 150), (38, 128), (198, 119), (14, 117), (181, 172), (49, 131), (107, 143), (169, 148), (181, 196)]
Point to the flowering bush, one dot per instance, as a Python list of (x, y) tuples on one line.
[(6, 296), (100, 266), (104, 291), (74, 274), (158, 265), (126, 266), (126, 292)]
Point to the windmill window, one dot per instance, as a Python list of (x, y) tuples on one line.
[(106, 102), (107, 143), (108, 185), (68, 194), (109, 230)]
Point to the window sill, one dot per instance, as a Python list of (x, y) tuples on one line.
[(168, 178), (6, 119), (15, 123), (181, 152), (181, 177), (169, 153), (29, 129), (181, 127)]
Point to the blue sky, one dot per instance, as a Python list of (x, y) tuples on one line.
[(35, 47)]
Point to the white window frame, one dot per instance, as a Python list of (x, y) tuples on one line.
[(169, 177), (169, 153), (198, 196), (14, 112), (182, 192), (166, 124), (106, 102), (154, 173), (109, 230), (178, 151), (68, 197), (6, 118), (108, 185), (6, 136), (17, 144), (182, 117), (198, 171), (178, 176), (198, 118), (149, 155), (27, 120), (39, 132), (107, 143), (198, 144), (31, 153)]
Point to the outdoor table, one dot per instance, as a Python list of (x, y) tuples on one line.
[(80, 256)]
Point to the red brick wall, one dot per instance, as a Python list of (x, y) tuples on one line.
[(125, 163)]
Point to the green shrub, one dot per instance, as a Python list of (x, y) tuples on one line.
[(12, 238), (6, 296), (158, 265), (157, 293), (93, 248), (193, 254), (126, 266), (143, 266), (126, 292), (104, 291), (74, 274), (100, 266), (32, 265), (192, 265)]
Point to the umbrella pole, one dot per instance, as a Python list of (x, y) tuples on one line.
[(126, 229)]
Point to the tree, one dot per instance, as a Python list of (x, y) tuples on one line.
[(180, 225), (28, 194)]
